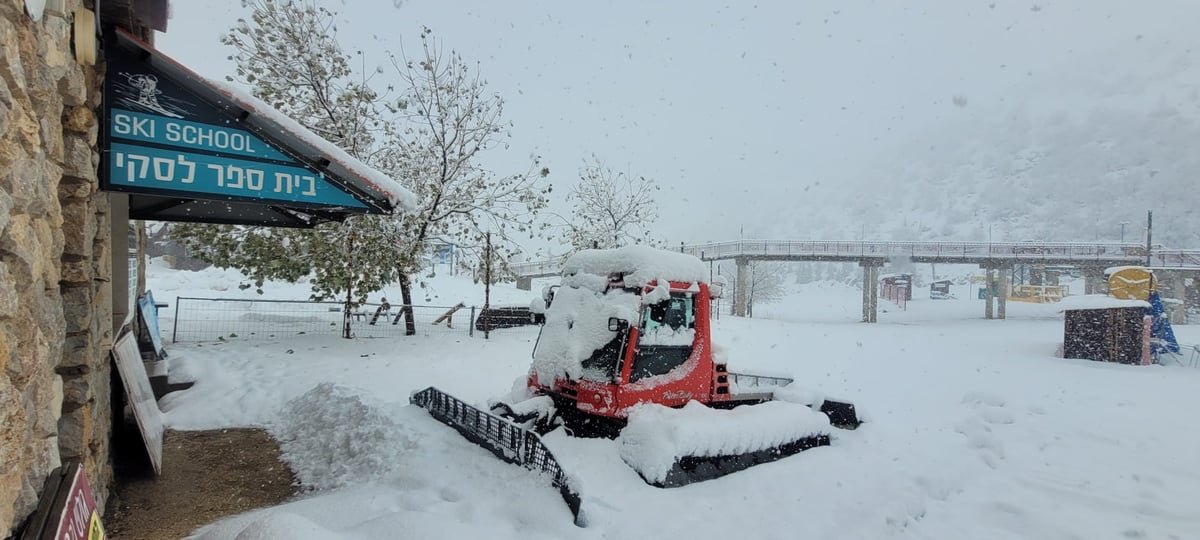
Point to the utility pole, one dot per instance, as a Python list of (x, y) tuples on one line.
[(487, 286), (1149, 229)]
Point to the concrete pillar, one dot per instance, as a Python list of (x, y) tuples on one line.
[(870, 291), (1003, 304), (1093, 280), (866, 287), (988, 280), (874, 293), (743, 284)]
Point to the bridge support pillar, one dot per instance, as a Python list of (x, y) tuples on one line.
[(524, 283), (989, 287), (1093, 280), (870, 290), (741, 287), (1172, 284), (1002, 290)]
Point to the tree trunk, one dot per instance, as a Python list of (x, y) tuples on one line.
[(346, 315), (410, 327)]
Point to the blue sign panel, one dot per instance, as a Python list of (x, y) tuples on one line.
[(171, 134), (167, 169)]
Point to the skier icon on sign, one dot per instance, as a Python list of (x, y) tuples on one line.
[(147, 88)]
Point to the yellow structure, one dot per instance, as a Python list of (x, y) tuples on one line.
[(1038, 293), (1131, 283)]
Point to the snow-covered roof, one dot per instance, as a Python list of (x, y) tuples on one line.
[(384, 186), (1098, 301), (640, 264)]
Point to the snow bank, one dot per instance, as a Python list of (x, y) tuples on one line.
[(332, 438), (577, 324), (640, 264), (1098, 301), (281, 526), (657, 436)]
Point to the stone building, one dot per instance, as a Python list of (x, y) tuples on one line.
[(67, 280), (63, 247)]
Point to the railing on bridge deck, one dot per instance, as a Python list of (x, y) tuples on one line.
[(1116, 253), (949, 250)]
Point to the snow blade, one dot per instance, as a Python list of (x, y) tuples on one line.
[(841, 414), (690, 469), (508, 441)]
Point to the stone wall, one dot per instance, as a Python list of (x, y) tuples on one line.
[(55, 264)]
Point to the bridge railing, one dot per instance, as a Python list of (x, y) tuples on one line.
[(547, 267), (966, 251)]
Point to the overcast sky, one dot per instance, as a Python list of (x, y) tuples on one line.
[(730, 104)]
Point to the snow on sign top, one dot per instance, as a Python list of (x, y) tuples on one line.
[(640, 264), (1098, 301), (400, 197)]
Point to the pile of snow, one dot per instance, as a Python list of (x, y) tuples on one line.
[(657, 436), (640, 264), (577, 324), (332, 438)]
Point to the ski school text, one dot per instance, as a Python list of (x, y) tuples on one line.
[(192, 135)]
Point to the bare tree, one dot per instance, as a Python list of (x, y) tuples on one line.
[(610, 208), (767, 284), (448, 118)]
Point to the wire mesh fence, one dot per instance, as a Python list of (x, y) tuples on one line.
[(216, 319)]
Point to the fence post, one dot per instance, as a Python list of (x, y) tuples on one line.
[(471, 324), (175, 322)]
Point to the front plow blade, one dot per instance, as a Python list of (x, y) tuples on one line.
[(510, 442), (691, 469)]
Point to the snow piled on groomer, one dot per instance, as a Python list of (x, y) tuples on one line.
[(657, 437), (577, 318)]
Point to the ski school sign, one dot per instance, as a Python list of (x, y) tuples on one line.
[(179, 144)]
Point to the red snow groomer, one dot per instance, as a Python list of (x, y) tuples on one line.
[(626, 349)]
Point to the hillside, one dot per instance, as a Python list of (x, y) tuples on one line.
[(1067, 156)]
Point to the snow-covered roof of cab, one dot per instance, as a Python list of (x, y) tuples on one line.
[(334, 184), (639, 264)]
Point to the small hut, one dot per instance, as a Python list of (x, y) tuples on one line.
[(1106, 329), (940, 289)]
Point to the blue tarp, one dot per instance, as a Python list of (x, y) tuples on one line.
[(1161, 333)]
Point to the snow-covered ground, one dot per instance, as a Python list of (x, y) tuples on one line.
[(977, 431)]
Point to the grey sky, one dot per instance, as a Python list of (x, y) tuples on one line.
[(729, 105)]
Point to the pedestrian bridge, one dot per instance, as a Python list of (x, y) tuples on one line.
[(988, 254), (994, 257)]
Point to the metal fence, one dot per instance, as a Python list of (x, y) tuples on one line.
[(225, 319)]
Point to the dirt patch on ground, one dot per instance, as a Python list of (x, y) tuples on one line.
[(206, 475)]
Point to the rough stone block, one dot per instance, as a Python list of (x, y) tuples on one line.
[(79, 228), (78, 350), (8, 292), (79, 119), (79, 159), (77, 308)]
